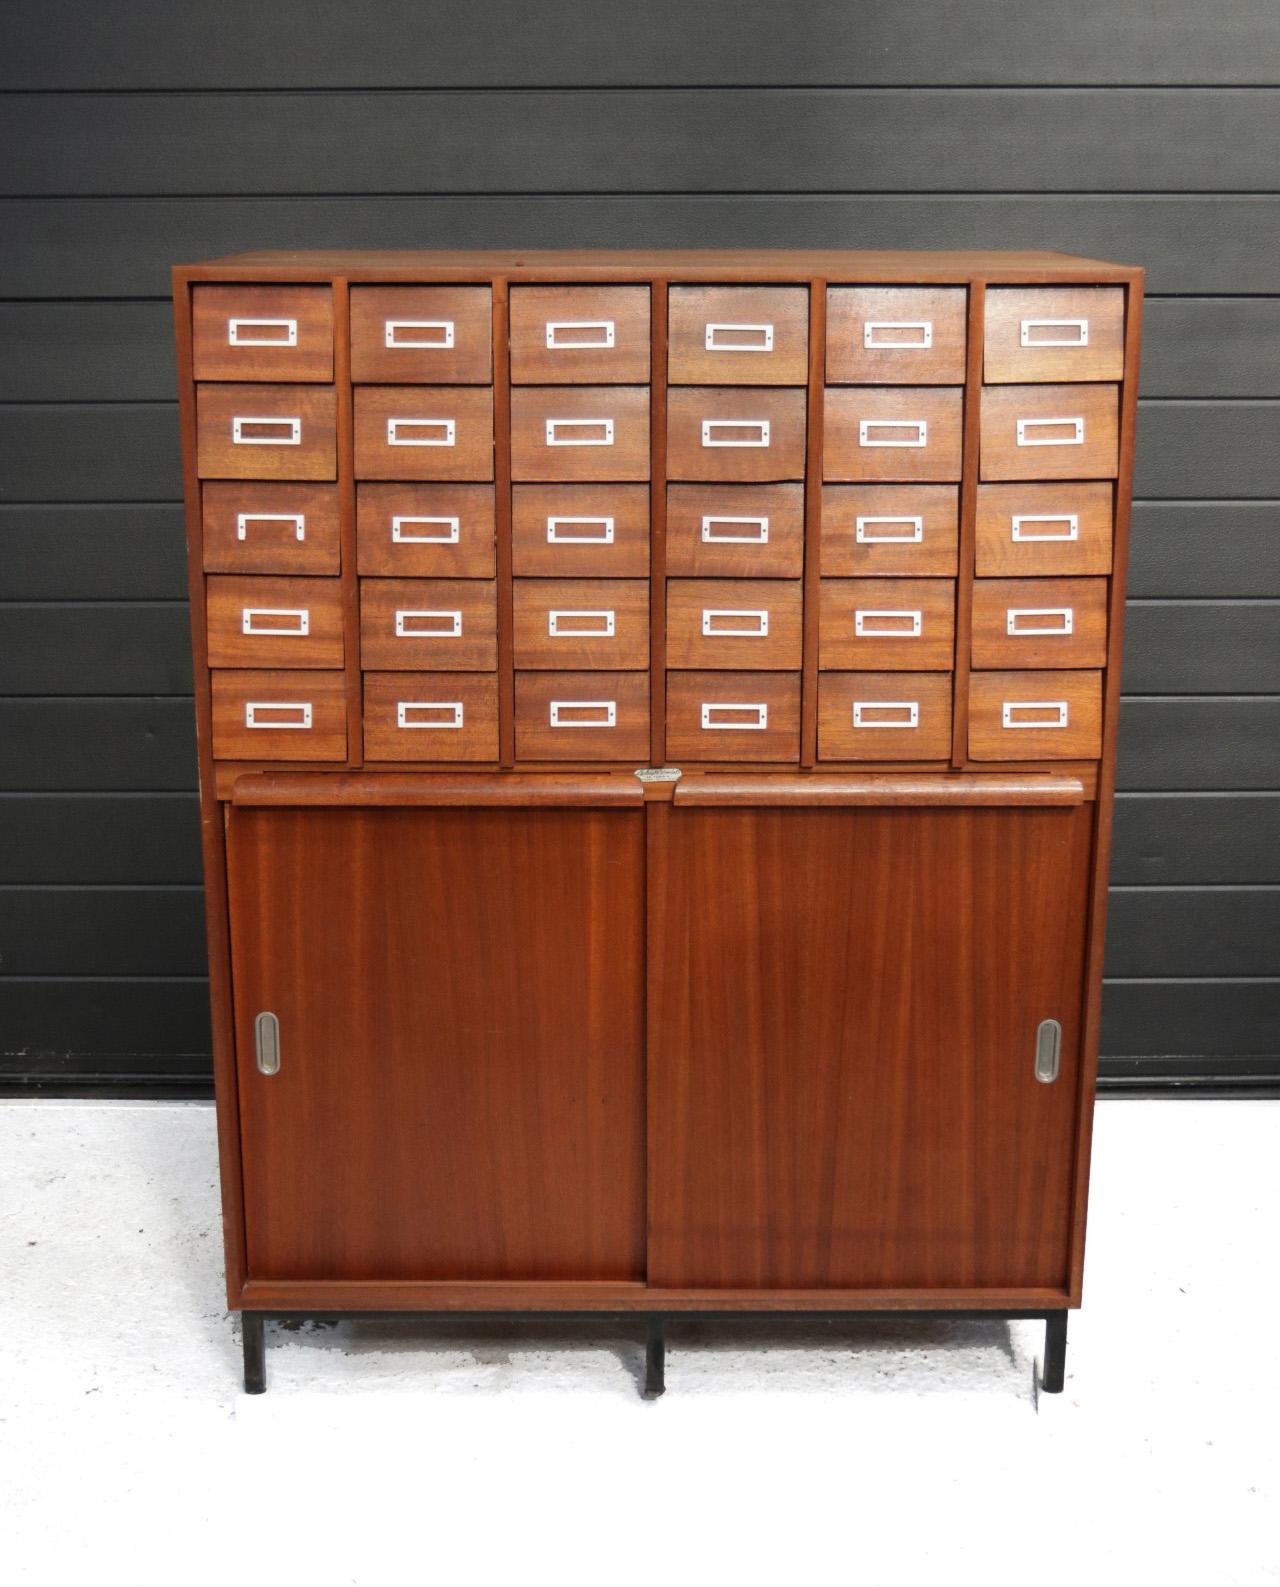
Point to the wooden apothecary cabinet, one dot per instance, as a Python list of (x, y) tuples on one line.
[(657, 725)]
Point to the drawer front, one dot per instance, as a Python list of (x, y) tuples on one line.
[(896, 336), (1035, 715), (580, 432), (583, 335), (270, 526), (892, 433), (731, 716), (1050, 432), (442, 336), (425, 531), (594, 531), (266, 432), (738, 336), (721, 433), (890, 530), (887, 625), (430, 716), (424, 432), (428, 625), (582, 716), (1053, 333), (262, 332), (1024, 530), (256, 622), (735, 531), (279, 716), (884, 716), (734, 623), (582, 624), (1039, 622)]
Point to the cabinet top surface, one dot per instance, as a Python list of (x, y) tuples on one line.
[(744, 264)]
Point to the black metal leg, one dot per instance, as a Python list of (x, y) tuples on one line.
[(655, 1359), (1055, 1352), (252, 1327)]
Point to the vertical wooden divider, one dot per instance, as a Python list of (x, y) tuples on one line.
[(502, 506), (815, 408), (347, 517), (658, 523), (968, 521)]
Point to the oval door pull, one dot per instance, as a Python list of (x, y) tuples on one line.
[(266, 1037), (1048, 1050)]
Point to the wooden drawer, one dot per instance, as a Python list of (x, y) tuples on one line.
[(428, 625), (892, 433), (596, 531), (430, 716), (731, 716), (887, 625), (1039, 623), (1053, 333), (1026, 529), (735, 435), (425, 531), (262, 332), (896, 336), (442, 336), (582, 624), (257, 622), (279, 716), (580, 432), (424, 432), (266, 432), (735, 531), (1035, 715), (584, 335), (1050, 432), (738, 336), (270, 526), (884, 716), (750, 624), (893, 530), (582, 716)]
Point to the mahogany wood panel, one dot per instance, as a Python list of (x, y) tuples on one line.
[(430, 716), (245, 332), (734, 623), (420, 1126), (731, 716), (1054, 333), (424, 432), (586, 531), (890, 530), (1050, 432), (580, 432), (735, 435), (426, 531), (483, 790), (431, 625), (1035, 715), (904, 623), (262, 622), (735, 531), (738, 336), (896, 336), (887, 433), (884, 716), (279, 715), (580, 624), (886, 789), (582, 716), (842, 1020), (1039, 623), (590, 336), (269, 526), (266, 432), (440, 335), (1029, 529)]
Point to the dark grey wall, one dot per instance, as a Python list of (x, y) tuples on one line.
[(146, 132)]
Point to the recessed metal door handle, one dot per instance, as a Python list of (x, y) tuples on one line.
[(1048, 1050), (266, 1039)]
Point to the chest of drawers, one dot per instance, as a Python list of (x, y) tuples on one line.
[(656, 718)]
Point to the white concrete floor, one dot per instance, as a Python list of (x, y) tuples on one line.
[(389, 1453)]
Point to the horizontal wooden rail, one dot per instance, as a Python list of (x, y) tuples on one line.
[(883, 790), (409, 788)]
